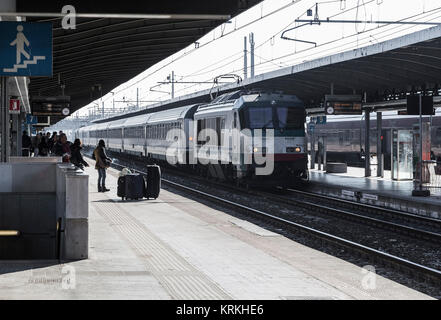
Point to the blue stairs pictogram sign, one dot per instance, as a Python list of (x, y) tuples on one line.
[(25, 48)]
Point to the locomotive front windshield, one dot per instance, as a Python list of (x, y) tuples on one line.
[(274, 117)]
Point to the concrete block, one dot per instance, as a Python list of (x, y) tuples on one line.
[(33, 177), (35, 159), (77, 196), (76, 239), (61, 192)]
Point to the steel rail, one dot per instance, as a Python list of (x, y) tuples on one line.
[(403, 229), (400, 214)]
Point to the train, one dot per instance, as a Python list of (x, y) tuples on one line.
[(345, 136), (250, 138)]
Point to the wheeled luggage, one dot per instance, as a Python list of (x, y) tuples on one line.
[(131, 186), (153, 181)]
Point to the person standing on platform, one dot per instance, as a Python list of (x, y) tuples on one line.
[(35, 144), (48, 138), (43, 148), (26, 144), (77, 157), (102, 163), (52, 142), (62, 148)]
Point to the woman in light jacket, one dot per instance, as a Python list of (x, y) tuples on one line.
[(102, 163)]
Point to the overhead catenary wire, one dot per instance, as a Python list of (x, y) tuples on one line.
[(221, 60), (207, 43), (270, 39), (339, 46), (297, 55), (391, 31)]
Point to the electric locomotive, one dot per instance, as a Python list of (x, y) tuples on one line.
[(260, 138)]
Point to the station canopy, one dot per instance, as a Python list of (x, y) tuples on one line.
[(386, 71), (106, 51)]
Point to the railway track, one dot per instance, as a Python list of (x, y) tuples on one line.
[(399, 264), (416, 227), (384, 213)]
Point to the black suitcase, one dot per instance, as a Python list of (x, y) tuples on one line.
[(131, 186), (153, 182), (121, 189)]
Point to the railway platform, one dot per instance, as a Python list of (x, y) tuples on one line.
[(378, 191), (178, 248)]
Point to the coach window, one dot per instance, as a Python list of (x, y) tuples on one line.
[(235, 120), (218, 130), (200, 127), (222, 129)]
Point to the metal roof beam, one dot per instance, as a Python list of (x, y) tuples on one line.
[(169, 16), (141, 37), (156, 41), (119, 47)]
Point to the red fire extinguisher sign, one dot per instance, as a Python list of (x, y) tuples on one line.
[(14, 106)]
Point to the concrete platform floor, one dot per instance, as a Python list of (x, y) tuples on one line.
[(177, 248)]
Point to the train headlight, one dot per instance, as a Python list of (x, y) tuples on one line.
[(255, 149), (191, 138), (298, 149)]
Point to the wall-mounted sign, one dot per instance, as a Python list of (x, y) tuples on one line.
[(320, 120), (50, 106), (14, 106), (25, 48), (342, 104), (30, 119), (413, 105)]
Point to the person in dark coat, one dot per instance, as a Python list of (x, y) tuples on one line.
[(43, 148), (62, 148), (102, 163), (52, 141), (76, 156), (26, 144)]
